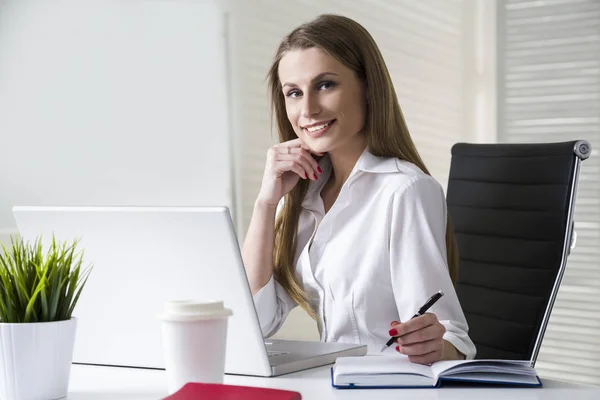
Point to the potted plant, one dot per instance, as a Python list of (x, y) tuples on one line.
[(38, 292)]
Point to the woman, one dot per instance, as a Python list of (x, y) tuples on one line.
[(348, 223)]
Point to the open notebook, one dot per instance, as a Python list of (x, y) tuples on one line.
[(396, 371)]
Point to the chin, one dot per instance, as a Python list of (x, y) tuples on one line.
[(318, 145)]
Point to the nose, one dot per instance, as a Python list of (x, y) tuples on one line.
[(310, 105)]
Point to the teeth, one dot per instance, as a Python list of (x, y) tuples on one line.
[(318, 127)]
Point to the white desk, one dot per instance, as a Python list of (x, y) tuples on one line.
[(101, 383)]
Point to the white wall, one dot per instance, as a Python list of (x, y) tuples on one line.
[(479, 52), (442, 77), (5, 237), (107, 102)]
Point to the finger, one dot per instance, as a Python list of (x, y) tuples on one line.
[(413, 324), (300, 160), (426, 359), (284, 148), (418, 349), (284, 166), (305, 147), (293, 142), (298, 143), (394, 323), (306, 155), (430, 332)]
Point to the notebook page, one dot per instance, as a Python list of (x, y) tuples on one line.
[(520, 367), (496, 378), (375, 365)]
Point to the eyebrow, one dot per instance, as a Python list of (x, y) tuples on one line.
[(316, 78)]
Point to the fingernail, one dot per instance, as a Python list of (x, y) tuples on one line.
[(398, 349), (320, 170), (315, 175), (393, 332)]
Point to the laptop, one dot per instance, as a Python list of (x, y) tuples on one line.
[(146, 256)]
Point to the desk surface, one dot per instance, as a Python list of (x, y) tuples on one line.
[(96, 383)]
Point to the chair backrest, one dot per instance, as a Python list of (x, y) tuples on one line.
[(512, 209)]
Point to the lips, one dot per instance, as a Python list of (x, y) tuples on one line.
[(319, 128)]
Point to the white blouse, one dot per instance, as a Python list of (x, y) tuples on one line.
[(376, 256)]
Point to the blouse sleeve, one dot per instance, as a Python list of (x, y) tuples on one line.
[(272, 303), (419, 268)]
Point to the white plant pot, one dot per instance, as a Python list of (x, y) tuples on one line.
[(35, 360)]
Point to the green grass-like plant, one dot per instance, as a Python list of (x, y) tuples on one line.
[(38, 287)]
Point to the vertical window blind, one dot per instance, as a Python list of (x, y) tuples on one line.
[(549, 90)]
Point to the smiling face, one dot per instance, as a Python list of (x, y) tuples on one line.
[(325, 102)]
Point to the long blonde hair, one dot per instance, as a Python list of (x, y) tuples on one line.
[(386, 131)]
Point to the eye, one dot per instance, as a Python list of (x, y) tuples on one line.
[(293, 93), (326, 85)]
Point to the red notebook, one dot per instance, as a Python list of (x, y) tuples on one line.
[(213, 391)]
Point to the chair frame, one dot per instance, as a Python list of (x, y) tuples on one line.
[(581, 150)]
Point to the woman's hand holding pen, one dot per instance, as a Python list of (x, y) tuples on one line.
[(287, 162), (420, 338)]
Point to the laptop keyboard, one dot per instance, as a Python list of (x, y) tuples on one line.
[(274, 353)]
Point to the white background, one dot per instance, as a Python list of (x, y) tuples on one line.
[(106, 102)]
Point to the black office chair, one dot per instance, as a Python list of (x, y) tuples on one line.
[(512, 209)]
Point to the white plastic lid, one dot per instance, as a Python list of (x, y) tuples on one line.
[(189, 310)]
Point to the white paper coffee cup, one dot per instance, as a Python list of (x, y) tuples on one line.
[(194, 335)]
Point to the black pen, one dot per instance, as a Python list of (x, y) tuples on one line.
[(421, 311)]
